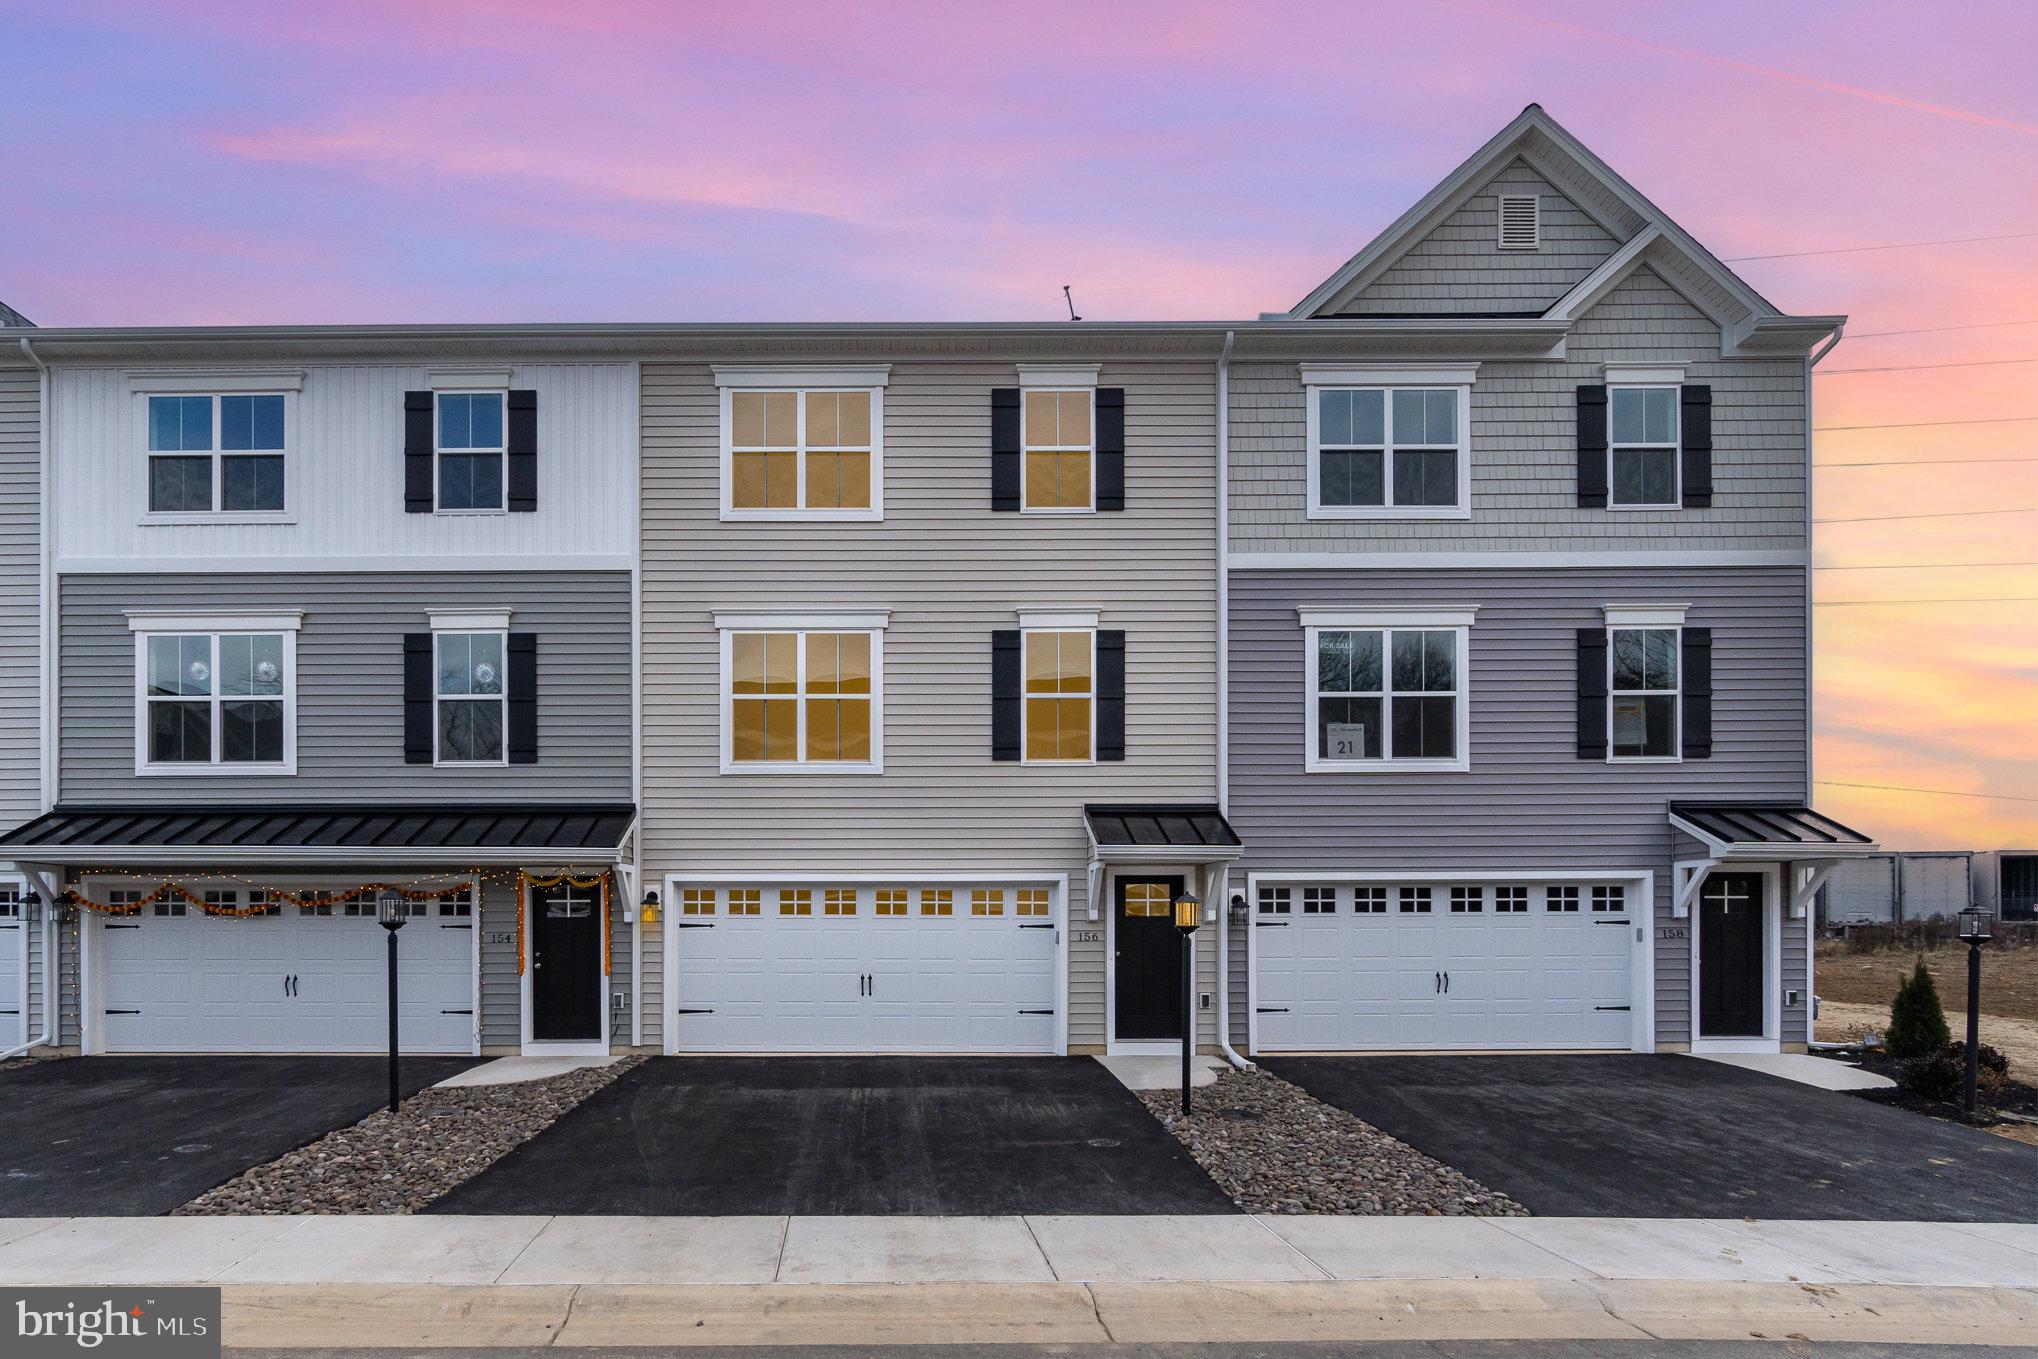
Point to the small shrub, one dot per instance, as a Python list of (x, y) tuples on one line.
[(1942, 1073), (1917, 1022)]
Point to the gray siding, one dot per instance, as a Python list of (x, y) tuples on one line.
[(1527, 802), (951, 572), (20, 595), (1524, 449), (350, 684), (1460, 268)]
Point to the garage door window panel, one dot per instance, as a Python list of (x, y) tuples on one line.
[(218, 701), (1387, 697)]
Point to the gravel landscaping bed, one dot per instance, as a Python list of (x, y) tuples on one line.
[(398, 1163), (1276, 1149)]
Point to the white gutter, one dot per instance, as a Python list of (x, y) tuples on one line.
[(1811, 722), (45, 889), (1223, 904)]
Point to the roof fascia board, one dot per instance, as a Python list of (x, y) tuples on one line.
[(1605, 278)]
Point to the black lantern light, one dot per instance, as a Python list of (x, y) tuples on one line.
[(1188, 915), (391, 911)]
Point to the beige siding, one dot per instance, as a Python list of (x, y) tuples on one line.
[(1524, 442), (951, 572)]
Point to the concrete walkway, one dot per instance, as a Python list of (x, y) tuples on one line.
[(515, 1070), (916, 1250), (1823, 1073)]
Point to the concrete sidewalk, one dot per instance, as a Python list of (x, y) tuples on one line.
[(630, 1251)]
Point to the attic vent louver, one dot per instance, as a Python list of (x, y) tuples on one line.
[(1519, 227)]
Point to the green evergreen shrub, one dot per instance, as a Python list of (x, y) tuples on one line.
[(1917, 1022)]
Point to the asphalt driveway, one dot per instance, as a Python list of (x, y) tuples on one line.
[(1674, 1136), (138, 1136), (850, 1135)]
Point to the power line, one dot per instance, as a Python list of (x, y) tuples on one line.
[(1939, 514), (1920, 462), (1975, 599), (1920, 367), (1899, 245), (1928, 424), (1935, 330), (1935, 792)]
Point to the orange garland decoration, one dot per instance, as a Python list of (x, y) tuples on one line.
[(601, 880)]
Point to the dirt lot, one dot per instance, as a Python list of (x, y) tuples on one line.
[(1855, 990)]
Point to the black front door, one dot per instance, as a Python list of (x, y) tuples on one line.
[(1147, 958), (1730, 961), (565, 962)]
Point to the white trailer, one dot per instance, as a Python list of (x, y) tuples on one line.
[(1882, 889), (2005, 883)]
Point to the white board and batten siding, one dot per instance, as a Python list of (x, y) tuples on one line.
[(950, 571), (344, 474)]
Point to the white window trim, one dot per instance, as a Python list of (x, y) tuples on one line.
[(469, 379), (1059, 620), (1090, 448), (144, 624), (469, 620), (1061, 377), (1047, 622), (1676, 446), (446, 629), (1457, 621), (1640, 375), (1317, 378), (216, 386), (1676, 630), (800, 382), (1646, 615), (727, 625), (469, 386)]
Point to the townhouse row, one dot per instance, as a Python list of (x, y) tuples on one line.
[(797, 688)]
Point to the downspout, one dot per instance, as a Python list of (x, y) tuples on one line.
[(45, 892), (1811, 992), (1223, 904)]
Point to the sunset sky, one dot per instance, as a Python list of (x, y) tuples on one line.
[(420, 161)]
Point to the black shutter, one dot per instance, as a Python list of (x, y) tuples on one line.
[(417, 453), (1591, 446), (1110, 695), (523, 698), (1110, 448), (1697, 693), (522, 444), (1005, 455), (1697, 454), (1592, 693), (417, 697), (1005, 695)]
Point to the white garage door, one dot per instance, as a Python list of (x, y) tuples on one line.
[(962, 968), (13, 946), (297, 979), (1359, 966)]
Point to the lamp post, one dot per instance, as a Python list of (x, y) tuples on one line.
[(391, 911), (1188, 915), (1974, 933)]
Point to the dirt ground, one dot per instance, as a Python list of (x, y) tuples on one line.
[(2009, 978)]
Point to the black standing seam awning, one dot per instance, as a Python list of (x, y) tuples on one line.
[(453, 833), (1791, 829), (1198, 829)]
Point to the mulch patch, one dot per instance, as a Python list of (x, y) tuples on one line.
[(2014, 1097)]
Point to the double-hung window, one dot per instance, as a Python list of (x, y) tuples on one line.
[(217, 453), (802, 443), (1644, 693), (1060, 432), (470, 697), (802, 693), (1392, 447), (469, 451), (1060, 711), (1642, 444), (215, 695), (1386, 689)]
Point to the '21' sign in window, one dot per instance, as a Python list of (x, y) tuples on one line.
[(1347, 740)]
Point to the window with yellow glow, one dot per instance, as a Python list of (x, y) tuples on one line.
[(1060, 442), (1031, 901), (1060, 694), (797, 450), (746, 901), (696, 901), (986, 901), (1144, 899), (838, 901), (891, 901), (937, 901), (795, 901), (801, 697)]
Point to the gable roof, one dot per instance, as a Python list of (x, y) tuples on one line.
[(1647, 233)]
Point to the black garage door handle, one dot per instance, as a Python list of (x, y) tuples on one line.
[(1270, 1009)]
